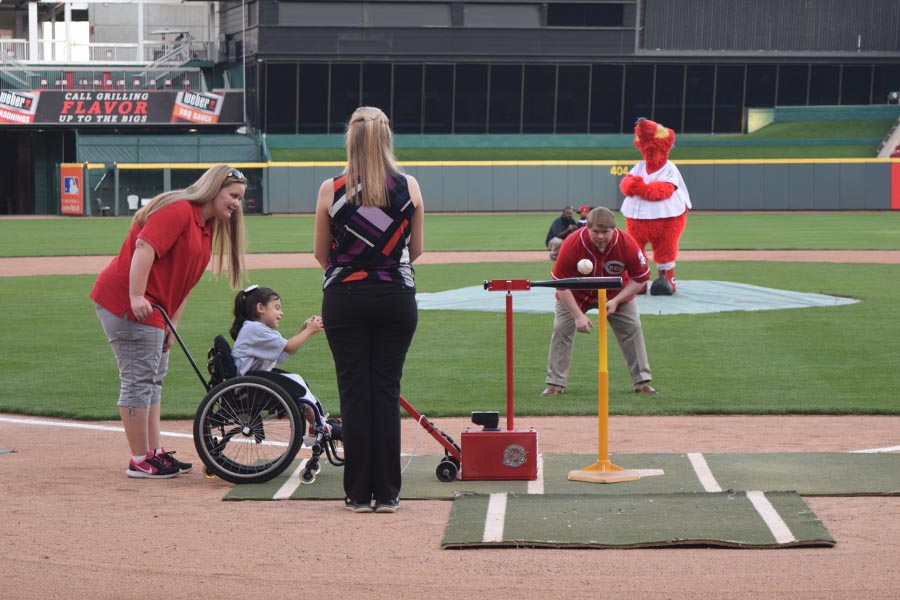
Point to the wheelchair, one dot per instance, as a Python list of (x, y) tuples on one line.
[(249, 428)]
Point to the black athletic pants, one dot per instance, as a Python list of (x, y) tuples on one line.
[(369, 327)]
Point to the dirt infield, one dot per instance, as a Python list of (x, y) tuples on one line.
[(80, 265), (75, 526)]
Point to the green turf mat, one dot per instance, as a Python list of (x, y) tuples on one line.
[(724, 519), (808, 473)]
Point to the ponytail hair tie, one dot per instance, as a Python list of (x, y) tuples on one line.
[(250, 288)]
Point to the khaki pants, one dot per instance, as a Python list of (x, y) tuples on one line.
[(626, 325)]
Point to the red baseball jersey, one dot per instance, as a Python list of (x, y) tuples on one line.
[(621, 258), (182, 242)]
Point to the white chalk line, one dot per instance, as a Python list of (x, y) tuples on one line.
[(536, 486), (876, 450), (71, 425), (705, 476), (770, 516), (288, 488), (495, 518)]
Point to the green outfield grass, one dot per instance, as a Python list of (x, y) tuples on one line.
[(486, 231), (56, 362)]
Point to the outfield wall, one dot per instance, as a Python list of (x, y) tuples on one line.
[(825, 184), (772, 185)]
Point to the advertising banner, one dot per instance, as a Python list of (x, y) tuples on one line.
[(120, 107), (17, 107), (71, 179)]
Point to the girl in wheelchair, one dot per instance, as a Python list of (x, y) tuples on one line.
[(258, 346)]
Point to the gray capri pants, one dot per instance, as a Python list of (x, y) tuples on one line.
[(142, 362)]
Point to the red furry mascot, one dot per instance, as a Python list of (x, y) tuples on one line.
[(656, 202)]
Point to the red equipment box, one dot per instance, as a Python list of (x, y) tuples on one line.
[(489, 455)]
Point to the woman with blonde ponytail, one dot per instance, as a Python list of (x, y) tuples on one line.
[(369, 230), (168, 248)]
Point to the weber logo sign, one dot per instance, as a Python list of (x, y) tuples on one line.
[(197, 107), (17, 107)]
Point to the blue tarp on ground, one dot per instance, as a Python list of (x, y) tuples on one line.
[(692, 297)]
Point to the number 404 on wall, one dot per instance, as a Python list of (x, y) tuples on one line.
[(619, 170)]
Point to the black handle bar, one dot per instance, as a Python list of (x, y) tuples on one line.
[(190, 358)]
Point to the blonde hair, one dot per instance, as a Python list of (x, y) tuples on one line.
[(370, 157), (228, 237)]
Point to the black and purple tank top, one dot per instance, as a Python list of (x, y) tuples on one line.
[(370, 243)]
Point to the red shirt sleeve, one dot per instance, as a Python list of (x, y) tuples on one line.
[(635, 261), (166, 226)]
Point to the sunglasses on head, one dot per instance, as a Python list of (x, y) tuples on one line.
[(236, 175)]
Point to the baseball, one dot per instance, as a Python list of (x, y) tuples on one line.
[(585, 267)]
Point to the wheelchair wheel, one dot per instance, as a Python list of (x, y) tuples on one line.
[(247, 430)]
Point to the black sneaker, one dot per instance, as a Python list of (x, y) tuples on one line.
[(171, 461), (337, 430), (387, 506), (150, 468), (357, 507)]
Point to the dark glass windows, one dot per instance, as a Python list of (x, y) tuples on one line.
[(856, 85), (606, 98), (506, 99), (638, 94), (761, 82), (792, 84), (470, 112), (407, 105), (728, 116), (281, 98), (376, 86), (539, 99), (573, 86), (824, 85), (580, 14), (885, 79), (438, 102), (698, 98), (312, 100), (669, 96), (345, 95), (510, 98)]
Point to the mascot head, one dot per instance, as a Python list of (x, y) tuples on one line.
[(654, 143)]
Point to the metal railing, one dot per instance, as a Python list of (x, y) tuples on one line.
[(102, 79), (54, 50)]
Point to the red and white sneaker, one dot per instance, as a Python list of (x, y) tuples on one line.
[(151, 467)]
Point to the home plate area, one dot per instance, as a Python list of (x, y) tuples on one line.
[(749, 500)]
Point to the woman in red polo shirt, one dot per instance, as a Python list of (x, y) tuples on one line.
[(163, 257)]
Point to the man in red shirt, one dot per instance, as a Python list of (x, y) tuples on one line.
[(612, 253)]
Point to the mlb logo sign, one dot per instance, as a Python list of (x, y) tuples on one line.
[(70, 186), (71, 183)]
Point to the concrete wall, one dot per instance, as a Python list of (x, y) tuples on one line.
[(713, 185)]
